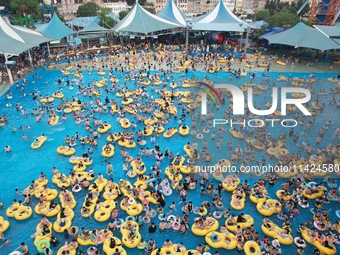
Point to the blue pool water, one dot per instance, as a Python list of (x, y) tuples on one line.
[(22, 165)]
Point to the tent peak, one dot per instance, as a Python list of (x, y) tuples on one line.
[(141, 21)]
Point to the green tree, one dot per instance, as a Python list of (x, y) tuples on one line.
[(307, 23), (260, 32), (122, 14), (132, 2), (105, 21), (271, 6), (60, 15), (295, 6), (88, 10), (33, 7), (150, 9), (4, 3), (284, 18), (263, 14)]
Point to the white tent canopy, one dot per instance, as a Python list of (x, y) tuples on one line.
[(172, 13), (15, 39), (141, 21), (219, 19)]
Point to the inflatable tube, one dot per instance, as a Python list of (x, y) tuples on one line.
[(217, 214), (175, 226), (15, 253), (313, 210), (42, 245), (146, 219), (167, 191), (76, 188), (302, 205), (130, 218), (252, 248), (152, 213), (160, 216), (119, 222), (299, 242), (310, 184), (131, 201), (171, 218), (199, 136), (337, 213), (332, 185)]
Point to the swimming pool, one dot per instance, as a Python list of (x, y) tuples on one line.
[(23, 164)]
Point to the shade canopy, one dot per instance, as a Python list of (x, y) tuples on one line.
[(259, 24), (15, 39), (141, 21), (303, 36), (219, 19), (93, 27), (172, 13), (55, 29), (83, 21), (332, 32), (272, 31), (113, 16)]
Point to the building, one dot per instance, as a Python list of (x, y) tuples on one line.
[(203, 6), (255, 4), (287, 1), (193, 7), (69, 7), (116, 6), (159, 4)]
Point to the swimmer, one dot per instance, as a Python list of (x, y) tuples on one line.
[(6, 241), (8, 149)]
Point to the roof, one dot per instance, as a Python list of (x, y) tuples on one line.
[(141, 21), (55, 29), (93, 27), (259, 24), (304, 36), (272, 31), (15, 39), (172, 13), (332, 32), (219, 19), (113, 16), (83, 21), (248, 11)]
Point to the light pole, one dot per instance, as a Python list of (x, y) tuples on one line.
[(246, 41), (187, 27)]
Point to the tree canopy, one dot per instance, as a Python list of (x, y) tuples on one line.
[(122, 14), (263, 14), (132, 2), (88, 10), (284, 18), (275, 6), (282, 14), (26, 6), (105, 21), (60, 15)]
